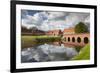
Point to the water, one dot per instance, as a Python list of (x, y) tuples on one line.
[(48, 52)]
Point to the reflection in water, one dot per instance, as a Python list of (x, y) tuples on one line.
[(48, 52)]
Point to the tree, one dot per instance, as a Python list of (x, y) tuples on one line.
[(81, 28)]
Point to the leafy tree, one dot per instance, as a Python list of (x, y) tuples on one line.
[(81, 28)]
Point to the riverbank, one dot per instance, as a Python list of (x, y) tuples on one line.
[(29, 41), (84, 53)]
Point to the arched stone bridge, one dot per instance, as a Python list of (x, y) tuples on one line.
[(76, 39)]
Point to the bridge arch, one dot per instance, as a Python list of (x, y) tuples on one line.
[(64, 39), (68, 39), (80, 39), (73, 39), (86, 40)]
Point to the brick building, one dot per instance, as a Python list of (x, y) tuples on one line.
[(69, 31), (54, 33)]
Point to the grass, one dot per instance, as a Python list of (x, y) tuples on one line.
[(84, 54), (34, 37), (29, 41)]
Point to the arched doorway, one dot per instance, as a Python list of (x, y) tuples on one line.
[(86, 40), (78, 39)]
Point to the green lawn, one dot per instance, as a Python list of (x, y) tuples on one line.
[(84, 54), (34, 37)]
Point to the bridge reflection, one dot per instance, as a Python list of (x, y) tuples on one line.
[(68, 44)]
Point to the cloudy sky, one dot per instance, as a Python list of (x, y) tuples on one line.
[(50, 20)]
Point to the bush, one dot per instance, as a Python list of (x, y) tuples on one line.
[(81, 28), (49, 39)]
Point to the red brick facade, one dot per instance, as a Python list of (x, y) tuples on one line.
[(54, 33), (77, 39)]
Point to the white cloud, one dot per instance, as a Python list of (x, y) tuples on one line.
[(39, 17), (73, 18), (55, 15), (35, 20), (53, 20), (87, 20)]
